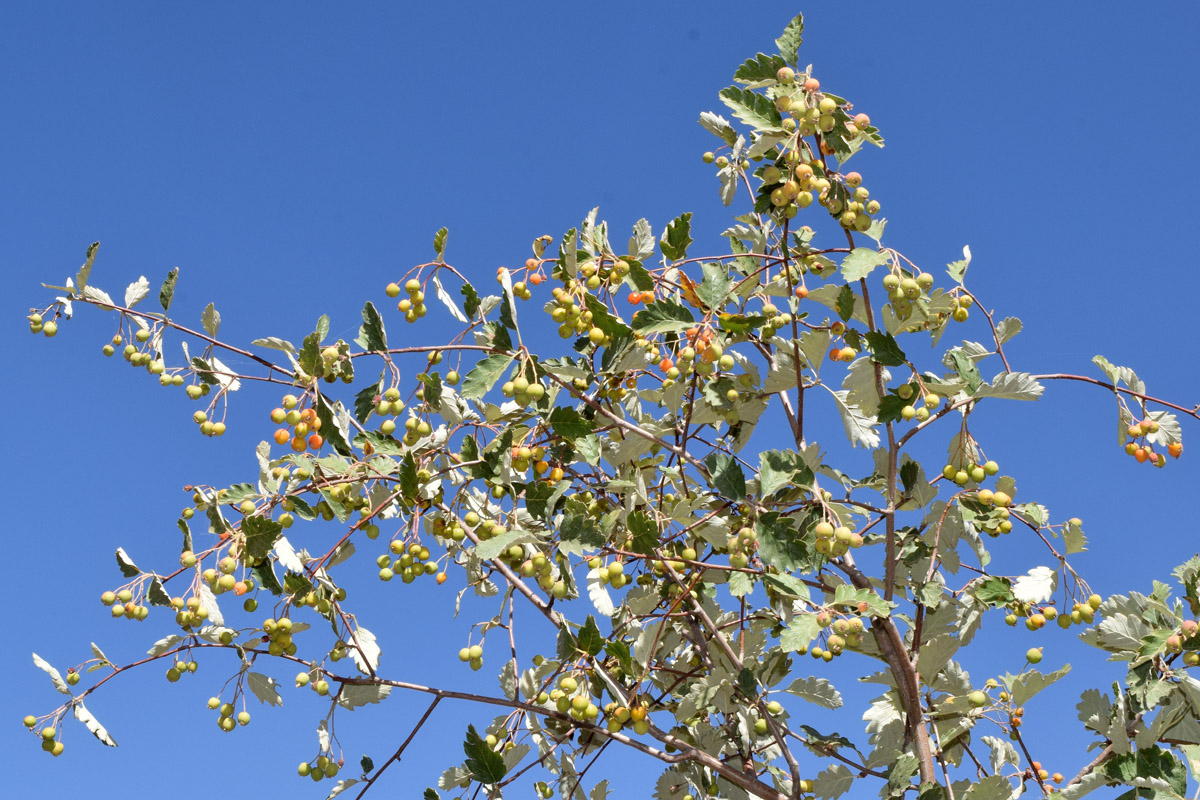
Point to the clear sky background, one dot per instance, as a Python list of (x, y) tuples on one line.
[(291, 159)]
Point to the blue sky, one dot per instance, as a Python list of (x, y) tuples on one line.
[(293, 160)]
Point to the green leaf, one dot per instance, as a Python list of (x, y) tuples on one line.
[(579, 532), (645, 532), (569, 423), (861, 262), (1024, 686), (780, 545), (335, 425), (439, 244), (727, 475), (366, 763), (1148, 765), (371, 335), (799, 633), (677, 236), (740, 584), (322, 327), (994, 592), (484, 763), (310, 355), (261, 534), (714, 289), (168, 289), (364, 401), (751, 108), (958, 269), (885, 350), (471, 300), (589, 640), (847, 596), (663, 316), (484, 375), (430, 794), (844, 305), (789, 41), (966, 369), (760, 68), (816, 690), (779, 468)]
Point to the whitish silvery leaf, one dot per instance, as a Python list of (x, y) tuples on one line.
[(816, 690), (98, 653), (92, 724), (860, 384), (97, 295), (448, 301), (126, 565), (286, 554), (164, 644), (323, 736), (1037, 586), (211, 320), (1027, 684), (513, 757), (1093, 780), (1168, 428), (958, 269), (366, 654), (343, 551), (833, 782), (264, 688), (1007, 328), (1095, 710), (275, 343), (136, 292), (718, 125), (213, 633), (641, 243), (728, 177), (57, 679), (1002, 752), (224, 375), (209, 602), (1073, 538), (861, 262), (354, 695), (599, 791), (1012, 386), (340, 787), (763, 142), (860, 428), (598, 593), (506, 282), (993, 787)]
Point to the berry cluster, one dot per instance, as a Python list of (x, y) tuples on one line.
[(1139, 446), (124, 604), (225, 717), (413, 307), (304, 425), (835, 541), (319, 768), (412, 562)]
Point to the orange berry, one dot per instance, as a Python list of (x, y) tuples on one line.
[(299, 444), (308, 415), (281, 436), (666, 364), (240, 588), (531, 263), (835, 354), (1141, 455), (1175, 449), (441, 578), (802, 292), (315, 441), (811, 85), (536, 279)]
